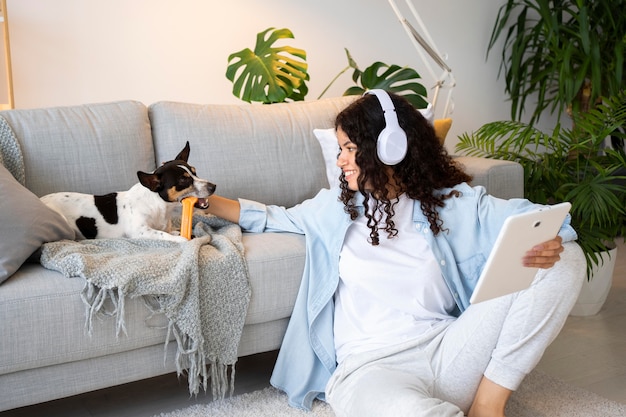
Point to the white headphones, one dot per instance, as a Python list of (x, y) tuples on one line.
[(391, 144)]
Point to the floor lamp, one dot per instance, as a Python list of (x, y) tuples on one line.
[(424, 44)]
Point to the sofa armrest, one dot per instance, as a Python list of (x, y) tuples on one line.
[(504, 179)]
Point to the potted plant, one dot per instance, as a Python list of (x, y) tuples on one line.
[(272, 74), (569, 164), (565, 56), (560, 54)]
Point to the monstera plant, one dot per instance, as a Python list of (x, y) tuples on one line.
[(269, 74), (400, 80), (272, 74)]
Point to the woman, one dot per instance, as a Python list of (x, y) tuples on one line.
[(382, 324)]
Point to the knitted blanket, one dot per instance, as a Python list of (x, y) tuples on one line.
[(200, 285), (10, 152)]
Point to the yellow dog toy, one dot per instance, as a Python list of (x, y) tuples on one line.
[(187, 216)]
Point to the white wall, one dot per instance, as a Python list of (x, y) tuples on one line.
[(69, 52)]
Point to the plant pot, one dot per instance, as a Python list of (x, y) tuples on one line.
[(595, 290)]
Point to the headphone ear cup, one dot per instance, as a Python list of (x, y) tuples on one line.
[(391, 145)]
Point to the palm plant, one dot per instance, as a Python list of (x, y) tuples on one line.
[(565, 54), (568, 164)]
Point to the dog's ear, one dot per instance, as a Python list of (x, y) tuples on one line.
[(150, 181), (184, 154)]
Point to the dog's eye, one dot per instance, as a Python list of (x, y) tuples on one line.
[(185, 181)]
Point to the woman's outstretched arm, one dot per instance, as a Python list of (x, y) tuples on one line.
[(224, 207)]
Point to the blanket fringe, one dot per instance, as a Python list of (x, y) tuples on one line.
[(94, 298), (190, 358)]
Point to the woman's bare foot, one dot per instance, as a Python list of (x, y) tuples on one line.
[(490, 400)]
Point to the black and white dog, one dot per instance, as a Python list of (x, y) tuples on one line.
[(144, 211)]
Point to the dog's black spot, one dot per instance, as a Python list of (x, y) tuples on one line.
[(107, 206), (87, 226)]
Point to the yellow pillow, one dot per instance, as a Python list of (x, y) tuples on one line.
[(442, 126)]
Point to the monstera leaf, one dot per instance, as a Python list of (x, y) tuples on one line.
[(269, 74), (400, 80)]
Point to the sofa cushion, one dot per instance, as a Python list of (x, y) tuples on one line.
[(258, 152), (26, 224), (275, 264), (43, 322), (43, 313), (92, 148)]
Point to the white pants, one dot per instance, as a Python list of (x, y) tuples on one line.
[(438, 373)]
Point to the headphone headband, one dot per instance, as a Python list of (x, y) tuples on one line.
[(384, 99)]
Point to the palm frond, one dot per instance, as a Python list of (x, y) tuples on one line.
[(568, 165)]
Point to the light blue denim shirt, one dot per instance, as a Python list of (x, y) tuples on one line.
[(307, 355)]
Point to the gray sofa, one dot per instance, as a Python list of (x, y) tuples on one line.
[(264, 153)]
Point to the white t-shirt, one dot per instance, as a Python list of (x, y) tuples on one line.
[(387, 293)]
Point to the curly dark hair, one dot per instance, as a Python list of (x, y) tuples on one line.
[(426, 168)]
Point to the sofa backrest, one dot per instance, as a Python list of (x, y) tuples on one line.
[(92, 148), (266, 153)]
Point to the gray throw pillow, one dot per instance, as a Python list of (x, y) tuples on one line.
[(25, 224)]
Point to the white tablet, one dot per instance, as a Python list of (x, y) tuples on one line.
[(504, 273)]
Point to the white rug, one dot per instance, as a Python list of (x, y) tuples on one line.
[(539, 396), (268, 402)]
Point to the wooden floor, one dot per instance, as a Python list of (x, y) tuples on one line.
[(590, 353)]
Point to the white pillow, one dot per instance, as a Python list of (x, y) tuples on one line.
[(428, 113), (330, 148)]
